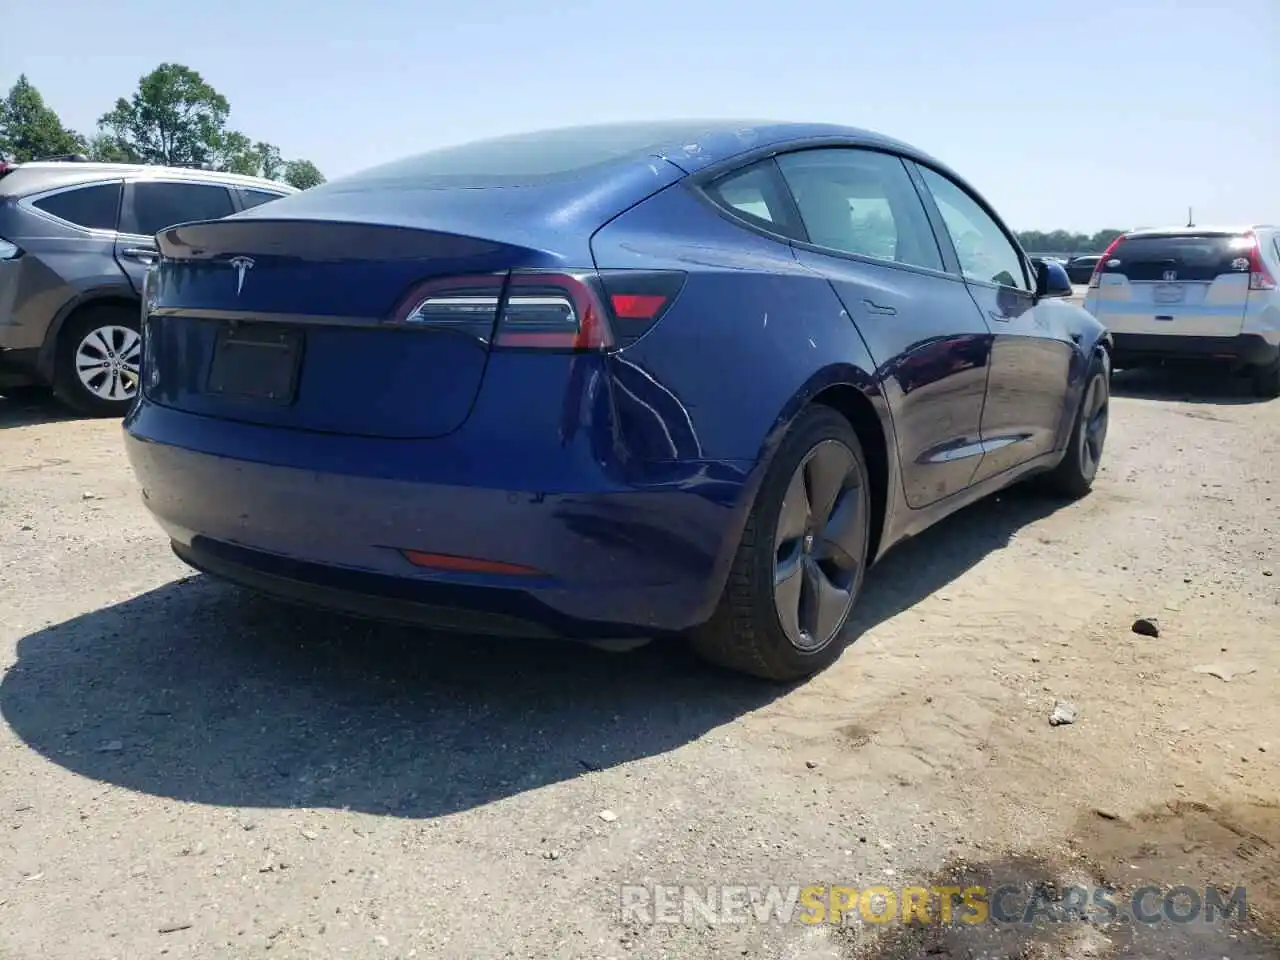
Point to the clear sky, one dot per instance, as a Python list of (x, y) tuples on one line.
[(1080, 115)]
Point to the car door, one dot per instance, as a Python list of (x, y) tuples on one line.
[(151, 205), (867, 232), (1032, 352)]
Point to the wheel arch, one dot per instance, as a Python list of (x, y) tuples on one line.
[(854, 405), (107, 296), (856, 395)]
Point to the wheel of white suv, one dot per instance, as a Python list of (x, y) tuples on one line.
[(96, 367)]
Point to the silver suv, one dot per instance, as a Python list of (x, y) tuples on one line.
[(76, 239), (1197, 294)]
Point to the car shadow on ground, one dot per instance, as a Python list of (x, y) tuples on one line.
[(1186, 384), (199, 692), (29, 407)]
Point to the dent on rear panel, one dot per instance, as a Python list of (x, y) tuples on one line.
[(750, 328)]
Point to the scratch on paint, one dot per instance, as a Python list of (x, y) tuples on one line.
[(812, 344), (766, 319)]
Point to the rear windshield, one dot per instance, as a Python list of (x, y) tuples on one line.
[(1180, 256), (521, 159)]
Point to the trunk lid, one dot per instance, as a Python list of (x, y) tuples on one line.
[(296, 298), (1181, 283), (288, 323)]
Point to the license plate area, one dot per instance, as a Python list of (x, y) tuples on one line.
[(1169, 293), (255, 361)]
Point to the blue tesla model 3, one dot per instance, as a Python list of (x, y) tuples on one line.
[(617, 381)]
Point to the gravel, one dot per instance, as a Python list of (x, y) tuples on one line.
[(189, 770)]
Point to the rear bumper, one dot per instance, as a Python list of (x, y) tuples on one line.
[(1247, 348), (322, 520)]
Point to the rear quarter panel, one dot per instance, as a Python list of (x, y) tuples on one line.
[(60, 267), (752, 336)]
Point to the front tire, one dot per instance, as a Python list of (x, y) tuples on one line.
[(799, 567), (96, 367), (1074, 475)]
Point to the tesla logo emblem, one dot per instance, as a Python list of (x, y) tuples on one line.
[(1171, 274), (241, 265)]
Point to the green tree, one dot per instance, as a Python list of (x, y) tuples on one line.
[(1102, 239), (105, 149), (238, 154), (29, 129), (235, 154), (302, 174), (174, 118), (1064, 241), (270, 162)]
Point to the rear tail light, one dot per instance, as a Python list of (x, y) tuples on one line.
[(465, 305), (544, 310), (638, 299), (1260, 277), (553, 311), (1102, 261)]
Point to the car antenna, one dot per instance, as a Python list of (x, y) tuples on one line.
[(1190, 220)]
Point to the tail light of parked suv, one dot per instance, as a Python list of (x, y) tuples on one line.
[(545, 310), (1102, 261), (1260, 277)]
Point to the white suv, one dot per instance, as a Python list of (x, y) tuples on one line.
[(1193, 293)]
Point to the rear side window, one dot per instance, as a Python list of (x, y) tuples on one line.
[(1183, 256), (861, 202), (156, 206), (94, 207), (256, 198), (756, 194)]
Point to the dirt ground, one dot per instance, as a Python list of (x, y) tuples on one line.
[(192, 772)]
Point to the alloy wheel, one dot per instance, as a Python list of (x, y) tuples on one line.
[(1093, 432), (819, 546), (107, 362)]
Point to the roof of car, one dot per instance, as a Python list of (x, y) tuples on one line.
[(700, 142), (690, 144), (1197, 231), (47, 174)]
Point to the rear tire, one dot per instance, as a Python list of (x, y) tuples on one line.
[(1073, 477), (799, 567), (96, 367), (1266, 380)]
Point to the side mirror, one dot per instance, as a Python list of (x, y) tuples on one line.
[(1051, 279)]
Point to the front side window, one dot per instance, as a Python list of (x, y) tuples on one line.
[(863, 203), (155, 206), (94, 207), (986, 253)]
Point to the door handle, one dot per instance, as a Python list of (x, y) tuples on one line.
[(873, 307), (1002, 317), (144, 254)]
